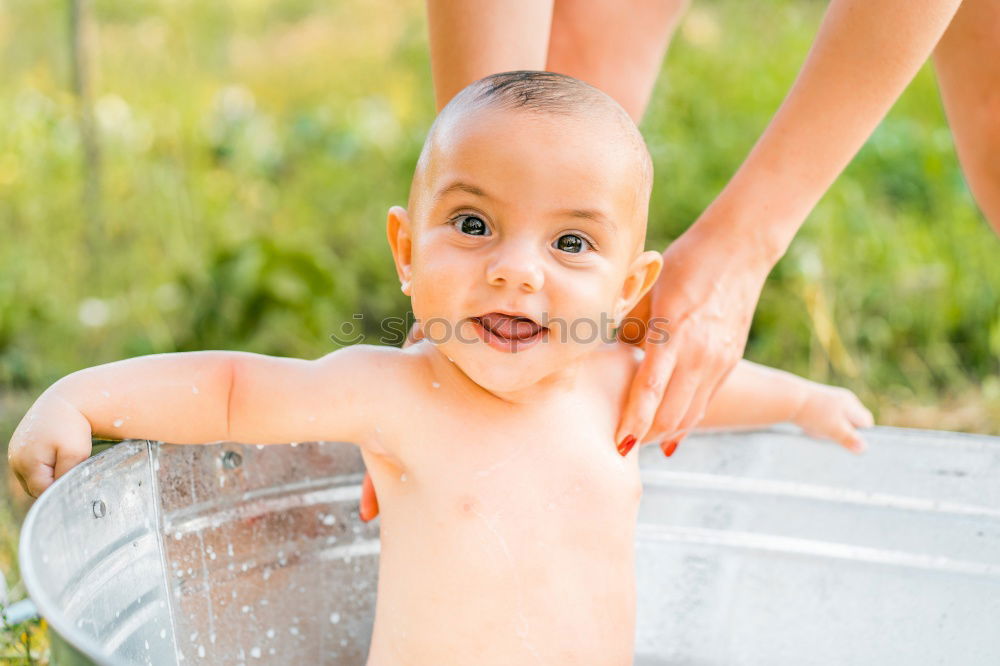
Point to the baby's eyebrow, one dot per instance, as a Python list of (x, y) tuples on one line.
[(581, 213), (459, 186), (588, 214)]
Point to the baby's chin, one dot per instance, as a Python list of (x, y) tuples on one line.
[(511, 373)]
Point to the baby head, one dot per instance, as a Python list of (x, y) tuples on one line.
[(522, 244)]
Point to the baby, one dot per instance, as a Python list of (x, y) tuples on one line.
[(508, 511)]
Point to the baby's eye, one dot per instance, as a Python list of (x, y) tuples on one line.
[(572, 243), (471, 225)]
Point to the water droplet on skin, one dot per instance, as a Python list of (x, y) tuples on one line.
[(267, 573), (194, 389), (334, 618), (193, 636), (147, 644), (105, 394), (270, 633), (211, 638), (211, 556), (163, 633), (177, 536), (260, 446), (294, 631), (293, 444), (329, 520), (436, 384), (270, 650), (201, 651), (402, 477), (245, 609), (118, 423), (255, 652), (229, 549)]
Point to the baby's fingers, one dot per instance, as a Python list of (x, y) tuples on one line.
[(37, 479), (67, 459), (860, 416), (847, 436)]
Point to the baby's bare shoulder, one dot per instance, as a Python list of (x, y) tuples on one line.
[(374, 369), (615, 365)]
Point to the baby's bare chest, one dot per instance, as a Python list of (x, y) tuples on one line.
[(559, 474)]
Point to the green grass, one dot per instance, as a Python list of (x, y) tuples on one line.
[(249, 151)]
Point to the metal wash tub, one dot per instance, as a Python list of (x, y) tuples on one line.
[(753, 548)]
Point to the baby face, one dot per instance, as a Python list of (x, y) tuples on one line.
[(523, 248)]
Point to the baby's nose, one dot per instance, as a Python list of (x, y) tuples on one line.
[(517, 265)]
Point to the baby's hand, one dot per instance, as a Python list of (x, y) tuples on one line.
[(834, 413), (52, 438)]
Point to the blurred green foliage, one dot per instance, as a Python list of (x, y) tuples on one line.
[(249, 152)]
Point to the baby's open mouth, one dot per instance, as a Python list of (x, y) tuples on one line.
[(509, 327)]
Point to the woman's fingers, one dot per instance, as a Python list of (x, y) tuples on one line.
[(369, 502), (646, 393)]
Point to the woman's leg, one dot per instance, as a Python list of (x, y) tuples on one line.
[(615, 46), (470, 39), (967, 60)]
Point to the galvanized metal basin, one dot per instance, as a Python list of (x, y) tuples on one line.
[(753, 548)]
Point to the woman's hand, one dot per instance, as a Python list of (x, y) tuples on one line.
[(698, 316)]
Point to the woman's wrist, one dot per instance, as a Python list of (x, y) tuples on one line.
[(753, 223)]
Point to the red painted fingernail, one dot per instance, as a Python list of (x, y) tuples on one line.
[(626, 445), (669, 448)]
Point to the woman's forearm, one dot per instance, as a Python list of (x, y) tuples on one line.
[(864, 56)]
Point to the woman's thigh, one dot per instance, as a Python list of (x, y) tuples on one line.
[(470, 39), (967, 61), (615, 46)]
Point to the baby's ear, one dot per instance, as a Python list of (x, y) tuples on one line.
[(397, 229), (642, 274)]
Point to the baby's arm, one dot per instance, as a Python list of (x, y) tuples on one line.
[(753, 394), (197, 397)]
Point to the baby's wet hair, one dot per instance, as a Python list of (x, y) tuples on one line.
[(544, 93)]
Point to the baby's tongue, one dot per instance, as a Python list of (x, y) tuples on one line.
[(509, 327)]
